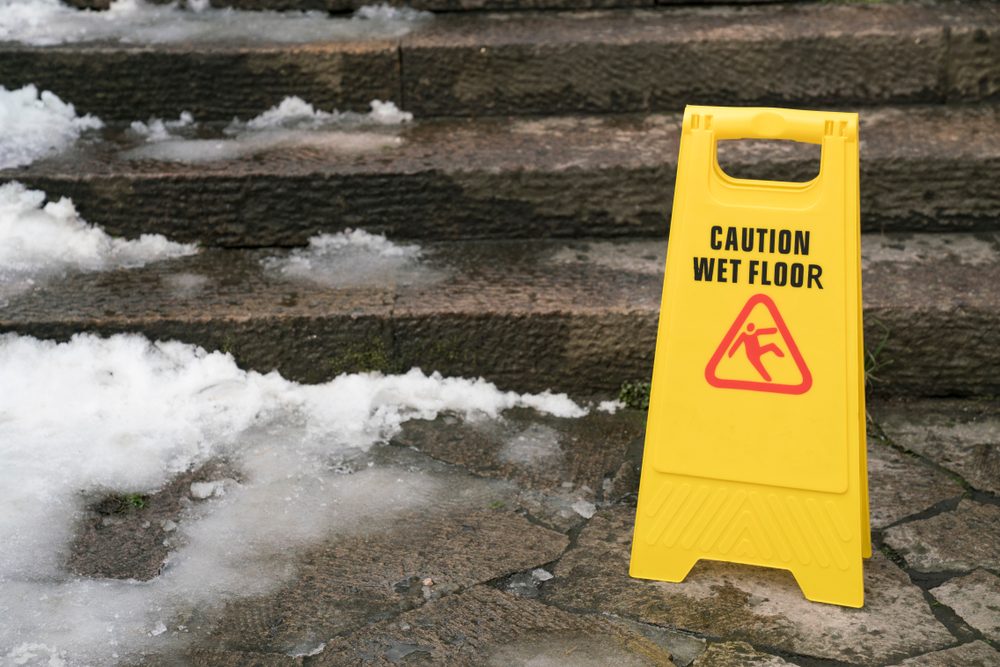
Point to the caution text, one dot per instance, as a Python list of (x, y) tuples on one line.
[(755, 271)]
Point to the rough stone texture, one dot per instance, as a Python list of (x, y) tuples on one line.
[(435, 5), (976, 598), (132, 544), (574, 316), (973, 654), (614, 61), (509, 313), (117, 82), (349, 585), (974, 65), (536, 453), (947, 333), (738, 603), (604, 61), (958, 541), (485, 626), (503, 178), (962, 437), (900, 485), (510, 178), (737, 654), (683, 648)]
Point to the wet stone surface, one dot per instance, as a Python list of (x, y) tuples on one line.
[(962, 436), (483, 626), (761, 606), (976, 598), (524, 560), (737, 654), (536, 453), (900, 485), (128, 535), (974, 654), (957, 541)]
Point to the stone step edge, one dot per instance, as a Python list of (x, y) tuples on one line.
[(550, 63), (584, 324), (922, 169)]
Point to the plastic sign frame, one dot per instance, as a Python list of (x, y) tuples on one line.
[(755, 440)]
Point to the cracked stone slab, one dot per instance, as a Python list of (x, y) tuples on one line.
[(740, 603), (483, 626), (962, 436), (344, 586), (900, 485), (737, 654), (976, 598), (958, 541), (684, 648), (973, 654), (532, 450)]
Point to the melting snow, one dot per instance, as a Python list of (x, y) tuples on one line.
[(293, 123), (49, 22), (34, 125), (41, 240), (94, 415), (353, 258)]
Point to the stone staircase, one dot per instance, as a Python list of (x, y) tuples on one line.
[(538, 126), (537, 180)]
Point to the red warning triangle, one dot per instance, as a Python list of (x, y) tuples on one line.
[(748, 342)]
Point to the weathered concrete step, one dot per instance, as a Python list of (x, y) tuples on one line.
[(577, 317), (612, 61), (922, 169)]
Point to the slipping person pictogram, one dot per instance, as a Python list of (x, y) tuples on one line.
[(746, 335), (750, 340)]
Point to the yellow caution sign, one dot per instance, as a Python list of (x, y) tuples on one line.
[(755, 442)]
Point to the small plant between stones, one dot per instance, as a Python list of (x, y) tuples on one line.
[(872, 363), (635, 395), (122, 504)]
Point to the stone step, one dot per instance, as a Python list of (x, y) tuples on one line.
[(922, 169), (575, 316), (439, 5), (609, 61)]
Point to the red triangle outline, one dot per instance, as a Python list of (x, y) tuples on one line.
[(786, 335)]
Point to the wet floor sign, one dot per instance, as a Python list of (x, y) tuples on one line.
[(755, 447)]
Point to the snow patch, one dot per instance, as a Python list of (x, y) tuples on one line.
[(611, 407), (39, 240), (50, 22), (34, 125), (353, 258), (292, 124), (122, 414)]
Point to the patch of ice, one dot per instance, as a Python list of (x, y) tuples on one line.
[(535, 444), (39, 240), (541, 574), (293, 123), (611, 407), (50, 22), (296, 113), (159, 130), (202, 490), (34, 125), (584, 509), (122, 414), (353, 258), (566, 649)]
